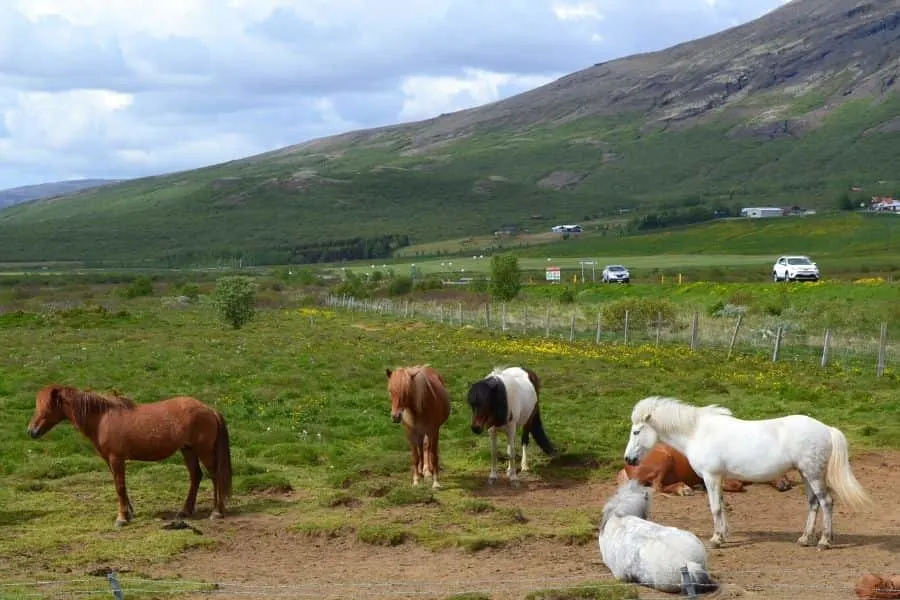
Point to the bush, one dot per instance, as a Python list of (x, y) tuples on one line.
[(566, 295), (400, 285), (234, 298), (641, 312), (141, 286), (506, 278)]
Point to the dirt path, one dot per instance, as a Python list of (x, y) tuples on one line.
[(261, 559)]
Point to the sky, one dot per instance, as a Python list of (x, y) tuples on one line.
[(128, 88)]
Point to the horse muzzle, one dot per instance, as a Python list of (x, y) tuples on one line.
[(477, 429), (397, 417), (35, 432), (631, 461)]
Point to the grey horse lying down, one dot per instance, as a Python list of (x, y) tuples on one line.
[(639, 551)]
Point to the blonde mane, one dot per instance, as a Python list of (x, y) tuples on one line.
[(670, 415), (406, 385)]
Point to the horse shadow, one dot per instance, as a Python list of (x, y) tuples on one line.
[(562, 470), (890, 543), (18, 517), (253, 506)]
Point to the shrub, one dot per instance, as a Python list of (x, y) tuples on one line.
[(400, 285), (566, 295), (641, 312), (141, 286), (506, 278), (234, 298)]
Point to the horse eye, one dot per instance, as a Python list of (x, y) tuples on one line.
[(635, 432)]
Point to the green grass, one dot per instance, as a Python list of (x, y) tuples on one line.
[(304, 394), (259, 209)]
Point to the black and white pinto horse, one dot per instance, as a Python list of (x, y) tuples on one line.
[(508, 399)]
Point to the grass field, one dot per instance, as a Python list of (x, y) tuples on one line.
[(303, 390)]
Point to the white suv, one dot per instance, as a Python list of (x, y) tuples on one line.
[(795, 268)]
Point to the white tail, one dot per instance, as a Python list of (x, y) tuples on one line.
[(839, 476)]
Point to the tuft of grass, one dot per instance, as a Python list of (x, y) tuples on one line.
[(384, 534), (597, 591), (263, 482), (469, 596)]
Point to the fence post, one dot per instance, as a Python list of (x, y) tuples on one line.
[(734, 334), (525, 320), (547, 322), (442, 314), (825, 347), (459, 313), (503, 317), (406, 309), (487, 315), (777, 349), (114, 584), (599, 325), (658, 326), (882, 350), (572, 329), (626, 325), (694, 325)]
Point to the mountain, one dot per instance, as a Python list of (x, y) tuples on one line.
[(795, 108), (49, 190)]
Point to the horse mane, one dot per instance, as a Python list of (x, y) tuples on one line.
[(631, 498), (85, 402), (669, 415), (402, 384)]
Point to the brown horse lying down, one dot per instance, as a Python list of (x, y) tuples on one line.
[(871, 586), (668, 471)]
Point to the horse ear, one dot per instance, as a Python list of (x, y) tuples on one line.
[(492, 382), (647, 417), (55, 395), (388, 373)]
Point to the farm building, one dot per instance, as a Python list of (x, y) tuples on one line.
[(762, 212)]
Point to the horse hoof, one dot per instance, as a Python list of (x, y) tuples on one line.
[(715, 543), (803, 540), (215, 515), (435, 486), (515, 483), (121, 523)]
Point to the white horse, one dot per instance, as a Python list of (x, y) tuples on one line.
[(508, 399), (719, 445), (639, 551)]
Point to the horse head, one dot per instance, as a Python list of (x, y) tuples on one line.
[(489, 404), (47, 411), (631, 498), (643, 437)]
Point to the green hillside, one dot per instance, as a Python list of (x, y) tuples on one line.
[(746, 117)]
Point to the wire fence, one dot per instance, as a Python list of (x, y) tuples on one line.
[(735, 335)]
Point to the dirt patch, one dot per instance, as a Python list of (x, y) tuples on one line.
[(259, 555), (561, 180)]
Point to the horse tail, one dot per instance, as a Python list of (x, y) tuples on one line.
[(695, 579), (534, 379), (537, 430), (839, 476), (223, 458)]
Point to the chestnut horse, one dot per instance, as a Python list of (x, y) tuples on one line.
[(419, 398), (668, 471), (121, 430)]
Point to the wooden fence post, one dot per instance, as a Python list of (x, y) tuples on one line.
[(442, 314), (882, 350), (459, 313), (572, 329), (826, 346), (694, 326), (627, 314), (525, 320), (547, 323), (737, 327), (777, 349), (599, 326), (487, 315), (658, 326), (503, 317)]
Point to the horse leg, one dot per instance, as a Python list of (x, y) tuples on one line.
[(126, 511), (679, 489), (493, 475), (415, 448), (720, 522), (208, 459), (511, 450), (434, 457), (813, 501), (428, 469), (196, 474), (525, 440)]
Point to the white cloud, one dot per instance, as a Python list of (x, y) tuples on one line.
[(429, 96), (128, 87), (574, 12)]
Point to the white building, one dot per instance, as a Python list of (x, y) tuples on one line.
[(762, 212)]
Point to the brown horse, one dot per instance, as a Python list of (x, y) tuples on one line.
[(121, 430), (668, 471), (419, 398)]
